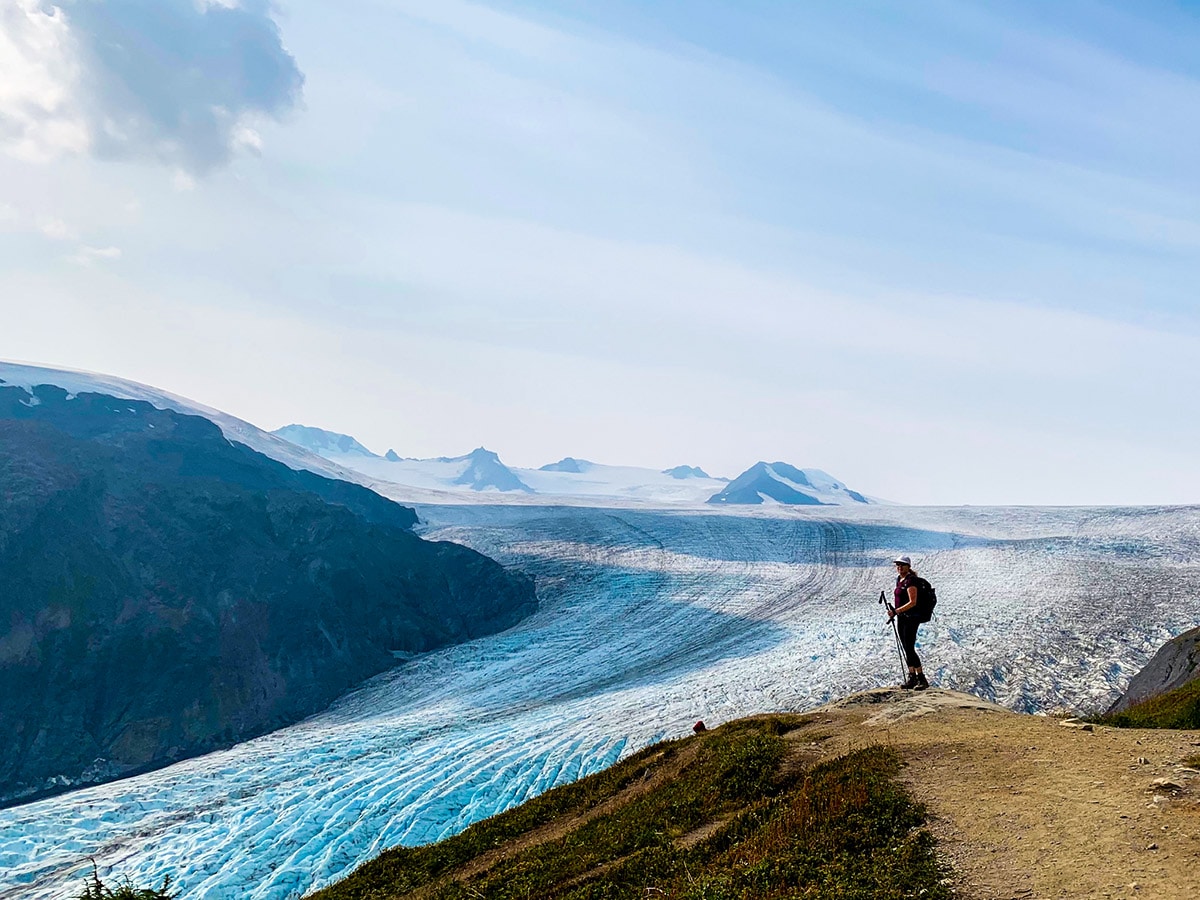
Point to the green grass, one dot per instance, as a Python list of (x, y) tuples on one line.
[(844, 829), (1179, 708)]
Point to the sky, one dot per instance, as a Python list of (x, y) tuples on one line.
[(945, 251)]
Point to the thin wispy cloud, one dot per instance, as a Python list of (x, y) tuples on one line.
[(89, 256), (56, 229), (704, 143)]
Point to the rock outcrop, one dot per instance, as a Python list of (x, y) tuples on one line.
[(322, 442), (682, 472), (1175, 664), (164, 591), (484, 471), (775, 481), (567, 464), (779, 482)]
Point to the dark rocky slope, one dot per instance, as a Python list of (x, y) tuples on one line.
[(1166, 692), (1176, 663), (164, 592)]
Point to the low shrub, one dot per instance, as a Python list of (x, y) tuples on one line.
[(125, 890)]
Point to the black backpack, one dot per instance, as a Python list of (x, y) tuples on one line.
[(926, 600)]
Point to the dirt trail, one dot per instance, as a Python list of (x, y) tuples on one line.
[(1026, 808)]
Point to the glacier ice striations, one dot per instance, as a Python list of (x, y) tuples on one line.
[(650, 620)]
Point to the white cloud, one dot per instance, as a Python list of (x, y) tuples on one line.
[(56, 229), (40, 115), (87, 256), (644, 253), (246, 138), (181, 82)]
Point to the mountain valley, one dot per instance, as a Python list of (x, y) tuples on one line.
[(166, 592), (655, 609), (648, 621)]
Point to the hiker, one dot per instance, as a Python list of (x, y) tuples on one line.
[(908, 620)]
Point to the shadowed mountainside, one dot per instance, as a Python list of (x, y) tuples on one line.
[(164, 592)]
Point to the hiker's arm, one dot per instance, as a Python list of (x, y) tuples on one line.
[(912, 600)]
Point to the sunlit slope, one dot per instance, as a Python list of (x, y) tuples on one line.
[(649, 620)]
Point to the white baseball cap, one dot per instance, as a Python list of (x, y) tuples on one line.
[(903, 559)]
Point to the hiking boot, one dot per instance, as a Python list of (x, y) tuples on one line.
[(920, 684), (912, 682)]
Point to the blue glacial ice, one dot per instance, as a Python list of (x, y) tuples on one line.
[(650, 620)]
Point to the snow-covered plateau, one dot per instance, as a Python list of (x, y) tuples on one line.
[(650, 620)]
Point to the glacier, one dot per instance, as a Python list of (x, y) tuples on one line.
[(650, 619)]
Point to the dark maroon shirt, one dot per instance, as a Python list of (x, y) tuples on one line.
[(901, 594)]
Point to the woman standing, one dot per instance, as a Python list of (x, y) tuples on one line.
[(905, 611)]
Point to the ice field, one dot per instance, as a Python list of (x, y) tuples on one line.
[(650, 619)]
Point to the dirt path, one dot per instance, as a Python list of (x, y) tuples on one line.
[(1026, 808)]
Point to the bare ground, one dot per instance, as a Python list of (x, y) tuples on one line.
[(1027, 807)]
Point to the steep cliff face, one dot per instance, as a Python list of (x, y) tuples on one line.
[(164, 592), (1176, 663)]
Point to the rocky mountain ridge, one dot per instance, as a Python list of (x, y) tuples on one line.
[(165, 591), (74, 382), (1175, 664), (483, 470)]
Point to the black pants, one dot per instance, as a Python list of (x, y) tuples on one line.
[(906, 627)]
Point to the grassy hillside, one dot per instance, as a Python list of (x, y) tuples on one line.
[(717, 816), (1166, 692), (1178, 708)]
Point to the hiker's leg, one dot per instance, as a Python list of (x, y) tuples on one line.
[(920, 683), (908, 640), (907, 632)]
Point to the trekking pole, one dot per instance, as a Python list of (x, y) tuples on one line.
[(900, 650), (895, 634)]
